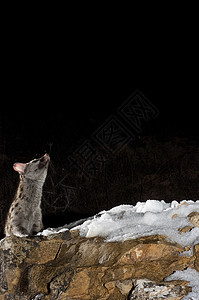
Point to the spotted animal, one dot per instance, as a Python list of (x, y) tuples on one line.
[(25, 215)]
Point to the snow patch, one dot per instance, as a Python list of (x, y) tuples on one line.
[(49, 231), (145, 218)]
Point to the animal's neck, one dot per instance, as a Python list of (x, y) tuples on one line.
[(30, 190)]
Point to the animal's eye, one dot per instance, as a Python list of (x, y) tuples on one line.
[(36, 170), (34, 161)]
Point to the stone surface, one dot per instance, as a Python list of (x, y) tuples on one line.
[(194, 218), (196, 254), (148, 290), (185, 229), (66, 266)]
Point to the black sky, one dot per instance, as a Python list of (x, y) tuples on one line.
[(62, 77), (58, 91), (44, 107)]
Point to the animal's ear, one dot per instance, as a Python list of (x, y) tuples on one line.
[(19, 167)]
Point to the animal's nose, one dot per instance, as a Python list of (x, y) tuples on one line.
[(45, 158)]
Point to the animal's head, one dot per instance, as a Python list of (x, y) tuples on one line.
[(36, 169)]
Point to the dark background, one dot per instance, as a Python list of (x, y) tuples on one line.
[(58, 87), (43, 106)]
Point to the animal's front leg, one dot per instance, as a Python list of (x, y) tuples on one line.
[(19, 230), (36, 228), (37, 225)]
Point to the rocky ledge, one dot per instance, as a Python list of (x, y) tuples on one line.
[(67, 266)]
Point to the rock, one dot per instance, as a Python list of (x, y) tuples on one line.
[(66, 266), (185, 229), (194, 218), (148, 290), (196, 254), (174, 216)]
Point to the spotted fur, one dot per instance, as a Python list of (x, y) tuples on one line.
[(25, 216)]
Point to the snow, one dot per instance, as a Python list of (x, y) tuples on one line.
[(49, 231), (152, 217), (150, 205), (145, 218)]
